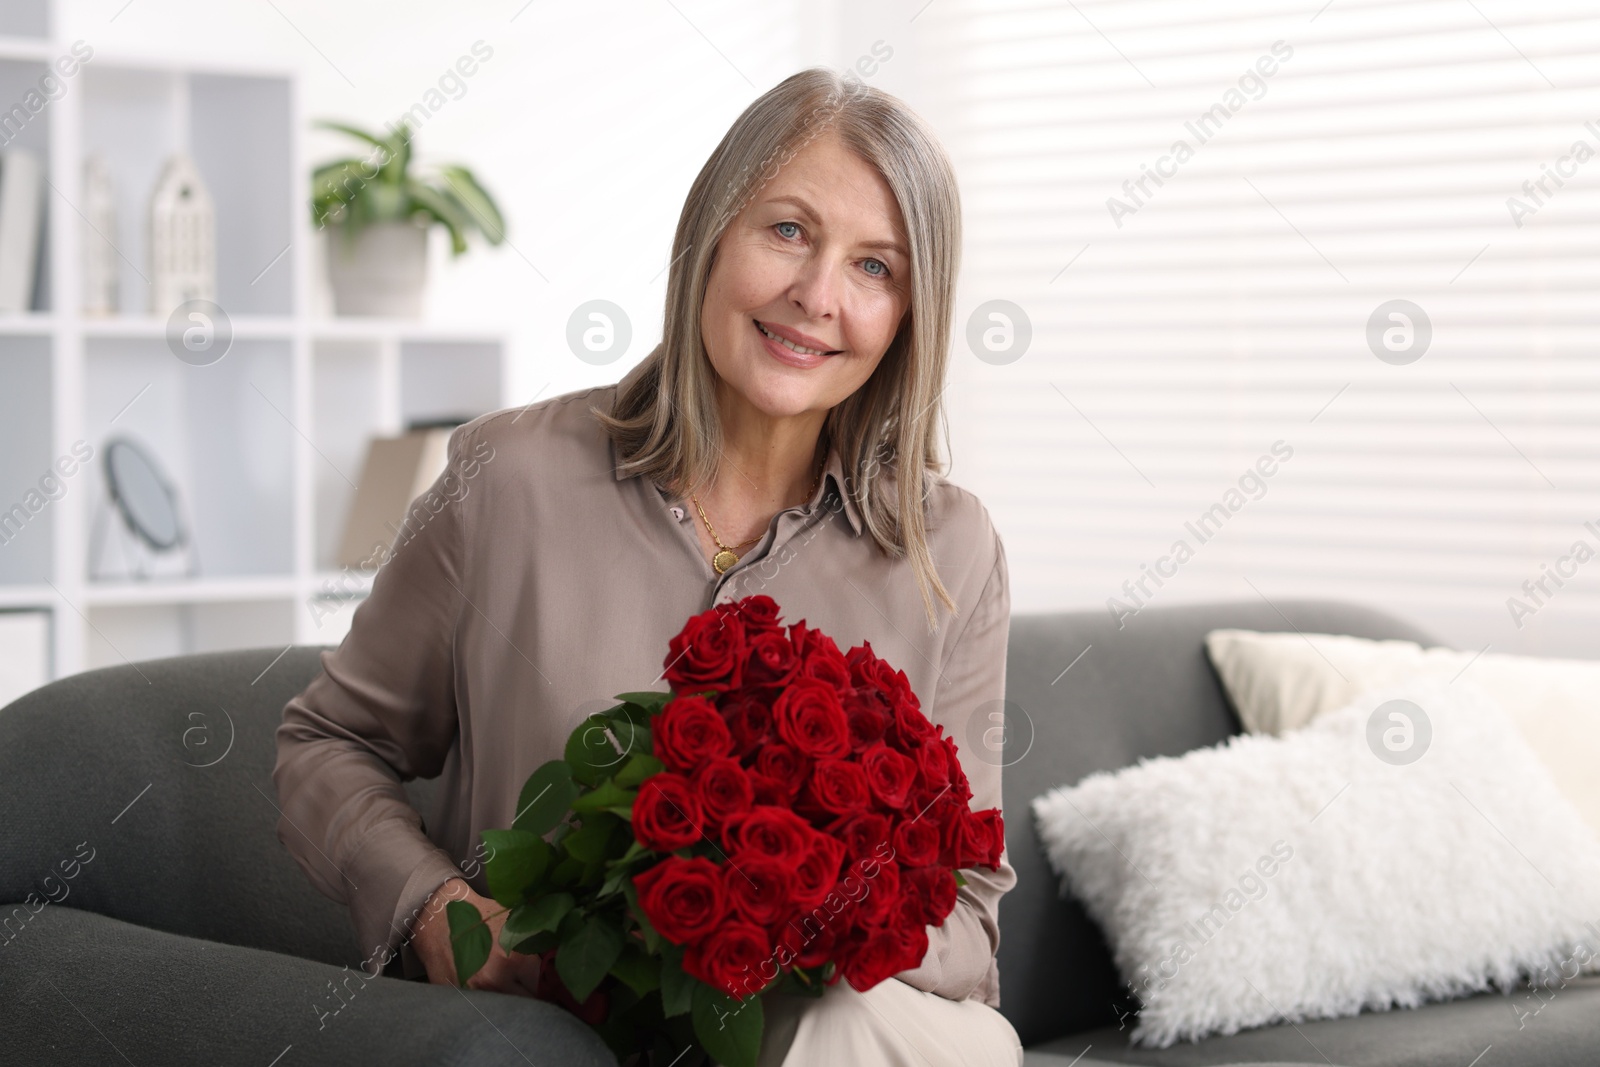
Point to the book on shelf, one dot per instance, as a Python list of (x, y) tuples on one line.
[(21, 212), (24, 652)]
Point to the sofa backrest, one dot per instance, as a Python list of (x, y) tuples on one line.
[(1144, 690), (159, 775)]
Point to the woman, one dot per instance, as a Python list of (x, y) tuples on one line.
[(780, 440)]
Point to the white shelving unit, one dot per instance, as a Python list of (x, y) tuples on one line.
[(266, 444)]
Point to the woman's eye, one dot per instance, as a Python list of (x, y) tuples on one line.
[(884, 273), (780, 225)]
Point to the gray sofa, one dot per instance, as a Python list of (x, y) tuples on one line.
[(138, 801)]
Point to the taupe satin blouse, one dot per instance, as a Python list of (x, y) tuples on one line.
[(532, 583)]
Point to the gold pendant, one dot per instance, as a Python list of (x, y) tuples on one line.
[(723, 560)]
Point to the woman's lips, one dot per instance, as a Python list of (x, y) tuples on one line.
[(783, 354)]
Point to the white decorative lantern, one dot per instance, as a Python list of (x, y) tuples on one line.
[(101, 266), (183, 255)]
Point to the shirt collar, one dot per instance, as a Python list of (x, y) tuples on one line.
[(831, 489)]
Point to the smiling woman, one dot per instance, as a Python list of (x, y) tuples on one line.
[(780, 439), (820, 240)]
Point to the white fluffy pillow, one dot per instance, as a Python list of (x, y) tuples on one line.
[(1281, 681), (1306, 876)]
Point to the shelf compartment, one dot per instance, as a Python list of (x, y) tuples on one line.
[(223, 434)]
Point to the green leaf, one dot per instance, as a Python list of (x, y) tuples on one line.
[(592, 841), (535, 917), (587, 954), (606, 795), (567, 872), (677, 988), (517, 862), (632, 738), (650, 700), (475, 201), (638, 970), (652, 939), (442, 208), (590, 752), (640, 766), (730, 1030), (961, 879), (545, 799), (470, 939)]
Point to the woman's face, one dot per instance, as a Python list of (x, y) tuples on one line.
[(818, 256)]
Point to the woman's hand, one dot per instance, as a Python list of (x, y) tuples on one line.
[(502, 972)]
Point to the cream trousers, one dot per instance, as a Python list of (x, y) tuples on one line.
[(891, 1025)]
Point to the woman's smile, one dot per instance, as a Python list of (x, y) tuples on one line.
[(785, 350)]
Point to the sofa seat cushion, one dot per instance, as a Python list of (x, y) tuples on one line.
[(84, 988), (1550, 1028)]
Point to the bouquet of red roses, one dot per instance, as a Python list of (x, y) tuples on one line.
[(786, 815)]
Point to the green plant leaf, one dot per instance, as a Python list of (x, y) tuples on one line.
[(535, 917), (592, 841), (545, 799), (730, 1030), (518, 860), (470, 939), (650, 700), (586, 954), (443, 209), (961, 879), (475, 201), (590, 751), (677, 988), (637, 969), (608, 794), (640, 766)]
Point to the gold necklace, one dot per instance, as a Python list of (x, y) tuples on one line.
[(726, 557)]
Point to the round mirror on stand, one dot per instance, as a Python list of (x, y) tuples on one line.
[(151, 528)]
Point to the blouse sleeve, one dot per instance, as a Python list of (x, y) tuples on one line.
[(383, 711), (971, 687)]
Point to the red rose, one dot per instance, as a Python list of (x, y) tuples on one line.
[(933, 767), (889, 774), (863, 835), (826, 664), (749, 719), (911, 727), (708, 653), (977, 839), (758, 887), (666, 814), (810, 717), (916, 843), (688, 732), (839, 786), (823, 937), (783, 764), (819, 870), (935, 888), (724, 789), (870, 960), (770, 831), (766, 790), (805, 639), (910, 926), (772, 660), (683, 899), (883, 890), (868, 714), (864, 664), (730, 958), (758, 613)]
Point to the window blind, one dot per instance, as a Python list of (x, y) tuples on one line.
[(1354, 243)]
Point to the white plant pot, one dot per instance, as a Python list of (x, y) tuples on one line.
[(383, 271)]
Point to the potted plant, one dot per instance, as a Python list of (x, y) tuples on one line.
[(379, 212)]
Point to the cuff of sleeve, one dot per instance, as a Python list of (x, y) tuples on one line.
[(395, 874)]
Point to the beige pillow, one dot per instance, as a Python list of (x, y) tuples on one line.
[(1281, 681)]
